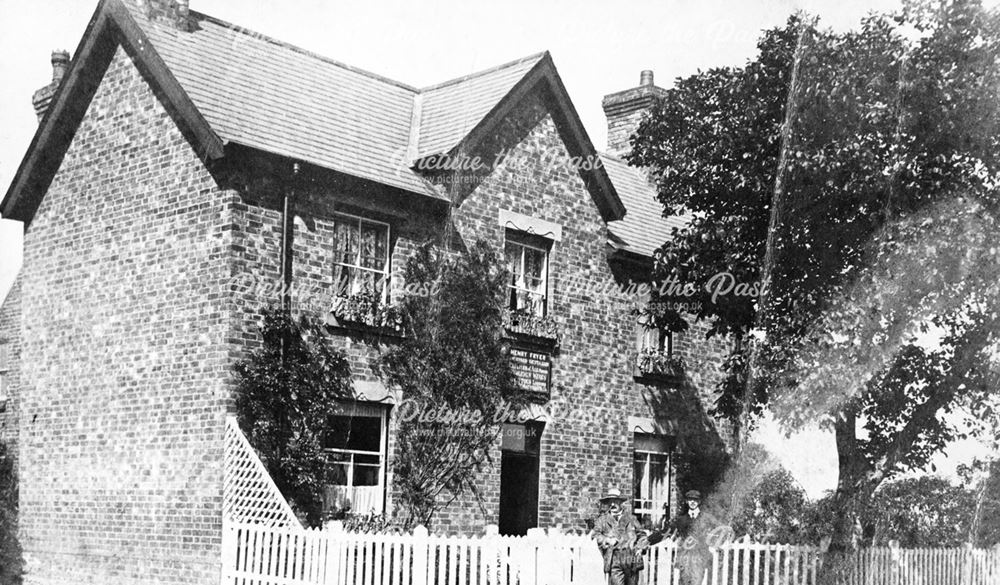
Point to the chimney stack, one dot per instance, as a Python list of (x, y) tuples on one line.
[(175, 13), (624, 111), (43, 97)]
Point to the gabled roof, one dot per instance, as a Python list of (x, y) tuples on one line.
[(644, 229), (268, 95), (450, 110), (225, 84)]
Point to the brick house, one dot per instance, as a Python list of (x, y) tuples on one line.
[(182, 163)]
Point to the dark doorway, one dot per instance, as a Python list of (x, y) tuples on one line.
[(518, 493), (519, 478)]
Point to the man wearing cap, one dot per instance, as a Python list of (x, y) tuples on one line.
[(693, 555), (681, 526), (621, 540)]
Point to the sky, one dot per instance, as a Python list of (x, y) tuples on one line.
[(598, 48)]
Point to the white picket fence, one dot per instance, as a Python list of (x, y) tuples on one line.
[(738, 563), (261, 555), (925, 566), (748, 563), (258, 555)]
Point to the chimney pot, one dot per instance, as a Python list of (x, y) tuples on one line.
[(60, 61), (182, 9), (646, 77)]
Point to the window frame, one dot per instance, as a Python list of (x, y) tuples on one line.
[(524, 241), (665, 338), (5, 352), (349, 412), (360, 221), (658, 509)]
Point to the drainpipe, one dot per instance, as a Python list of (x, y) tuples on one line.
[(287, 238)]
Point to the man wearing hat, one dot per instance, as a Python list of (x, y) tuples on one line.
[(694, 552), (621, 540), (681, 526)]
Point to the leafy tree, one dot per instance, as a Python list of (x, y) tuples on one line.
[(775, 510), (287, 391), (454, 364), (986, 517), (856, 176), (770, 506), (925, 511), (11, 563)]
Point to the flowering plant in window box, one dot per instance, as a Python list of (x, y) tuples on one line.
[(365, 310), (655, 362), (525, 323)]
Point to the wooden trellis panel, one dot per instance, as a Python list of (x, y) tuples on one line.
[(249, 494)]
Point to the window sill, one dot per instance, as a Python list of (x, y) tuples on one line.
[(537, 331), (539, 342), (658, 377), (657, 367), (345, 325)]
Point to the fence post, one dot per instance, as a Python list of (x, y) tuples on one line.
[(421, 538), (229, 554), (894, 557), (530, 567), (489, 557), (553, 561), (336, 547), (967, 559)]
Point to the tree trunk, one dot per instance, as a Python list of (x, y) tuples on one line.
[(851, 490)]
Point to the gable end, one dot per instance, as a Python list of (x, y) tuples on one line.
[(110, 27)]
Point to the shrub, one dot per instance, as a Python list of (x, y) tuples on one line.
[(11, 563), (287, 391)]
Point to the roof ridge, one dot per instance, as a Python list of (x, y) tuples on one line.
[(269, 39), (495, 68), (308, 53)]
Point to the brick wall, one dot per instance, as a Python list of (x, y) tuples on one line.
[(620, 130), (624, 110), (10, 335), (125, 352), (133, 316), (588, 446)]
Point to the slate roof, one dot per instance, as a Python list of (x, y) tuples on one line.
[(643, 229), (256, 91), (260, 92), (451, 109), (235, 85)]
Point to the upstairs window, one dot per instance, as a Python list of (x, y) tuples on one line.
[(527, 259), (361, 256), (656, 354), (651, 338)]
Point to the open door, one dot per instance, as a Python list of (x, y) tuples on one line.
[(519, 478)]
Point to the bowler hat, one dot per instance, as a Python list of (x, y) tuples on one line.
[(613, 494)]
